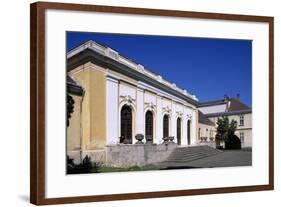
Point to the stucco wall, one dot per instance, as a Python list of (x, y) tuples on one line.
[(74, 128), (92, 79), (246, 128), (205, 131), (141, 98), (105, 94), (247, 137), (138, 154)]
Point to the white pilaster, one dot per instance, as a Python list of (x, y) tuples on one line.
[(159, 121), (193, 127), (173, 124), (184, 129), (140, 112), (112, 111)]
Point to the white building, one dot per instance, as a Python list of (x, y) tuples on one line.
[(234, 109), (122, 99)]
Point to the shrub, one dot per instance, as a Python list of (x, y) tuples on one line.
[(87, 166), (233, 142)]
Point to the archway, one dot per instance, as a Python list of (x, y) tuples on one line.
[(179, 131), (126, 125)]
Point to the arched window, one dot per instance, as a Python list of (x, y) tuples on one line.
[(188, 132), (179, 131), (149, 124), (126, 125), (165, 125)]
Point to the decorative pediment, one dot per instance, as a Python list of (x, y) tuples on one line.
[(179, 113), (128, 100), (150, 105), (166, 110)]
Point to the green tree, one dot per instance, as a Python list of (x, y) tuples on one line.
[(225, 129), (70, 107)]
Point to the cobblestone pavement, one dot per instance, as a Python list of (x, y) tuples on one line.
[(227, 158)]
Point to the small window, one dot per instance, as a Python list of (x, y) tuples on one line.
[(242, 137), (241, 121)]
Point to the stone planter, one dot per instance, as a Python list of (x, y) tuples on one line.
[(171, 138), (139, 137), (166, 140)]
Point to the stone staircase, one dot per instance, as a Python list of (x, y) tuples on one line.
[(180, 156)]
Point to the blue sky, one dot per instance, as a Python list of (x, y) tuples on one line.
[(208, 68)]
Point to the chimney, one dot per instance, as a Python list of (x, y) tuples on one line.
[(238, 96), (225, 98)]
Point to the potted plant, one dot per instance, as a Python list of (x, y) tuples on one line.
[(171, 138), (139, 137), (165, 139)]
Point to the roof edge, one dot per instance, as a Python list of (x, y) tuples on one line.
[(247, 111), (115, 56)]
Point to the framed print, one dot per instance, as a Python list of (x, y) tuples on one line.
[(130, 103)]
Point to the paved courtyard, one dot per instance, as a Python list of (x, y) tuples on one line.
[(226, 158)]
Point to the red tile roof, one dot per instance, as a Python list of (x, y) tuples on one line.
[(237, 105)]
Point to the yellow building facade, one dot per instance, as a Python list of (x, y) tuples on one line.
[(117, 102), (122, 99)]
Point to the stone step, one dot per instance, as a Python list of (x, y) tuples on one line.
[(174, 157), (184, 149), (191, 153), (188, 152), (182, 155), (190, 158)]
